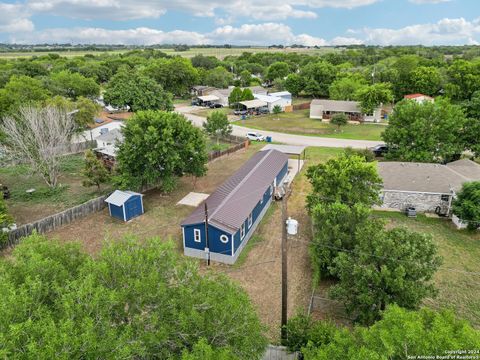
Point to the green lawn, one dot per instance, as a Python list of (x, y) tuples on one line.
[(207, 111), (44, 201), (458, 288), (298, 122)]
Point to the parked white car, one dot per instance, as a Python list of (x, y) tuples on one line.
[(255, 136)]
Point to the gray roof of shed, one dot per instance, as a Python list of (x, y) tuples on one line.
[(424, 177), (234, 200), (119, 197), (338, 105)]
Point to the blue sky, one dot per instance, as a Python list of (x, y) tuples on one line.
[(252, 22)]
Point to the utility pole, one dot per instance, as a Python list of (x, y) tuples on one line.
[(207, 245), (284, 264)]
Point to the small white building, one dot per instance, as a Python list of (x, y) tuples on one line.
[(284, 95), (272, 101)]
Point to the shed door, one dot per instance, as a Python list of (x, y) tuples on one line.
[(134, 208)]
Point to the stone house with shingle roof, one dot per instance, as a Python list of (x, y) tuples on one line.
[(427, 187)]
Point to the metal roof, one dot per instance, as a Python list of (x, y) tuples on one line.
[(424, 177), (111, 136), (119, 197), (280, 93), (232, 202), (337, 105), (267, 98), (208, 98), (286, 149), (253, 104)]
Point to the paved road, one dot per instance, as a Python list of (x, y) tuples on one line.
[(286, 138)]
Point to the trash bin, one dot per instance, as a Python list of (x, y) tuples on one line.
[(268, 139)]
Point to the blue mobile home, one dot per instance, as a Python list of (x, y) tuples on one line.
[(235, 209), (125, 205)]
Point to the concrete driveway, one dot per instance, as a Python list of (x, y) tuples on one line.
[(289, 139)]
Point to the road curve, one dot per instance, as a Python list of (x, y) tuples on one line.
[(290, 139)]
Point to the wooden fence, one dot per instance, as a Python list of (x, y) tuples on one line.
[(56, 220), (216, 154), (302, 106)]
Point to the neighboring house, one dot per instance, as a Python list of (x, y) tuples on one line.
[(235, 209), (325, 109), (106, 149), (273, 101), (427, 187), (125, 205), (254, 104), (420, 98)]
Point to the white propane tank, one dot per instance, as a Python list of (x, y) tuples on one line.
[(292, 226)]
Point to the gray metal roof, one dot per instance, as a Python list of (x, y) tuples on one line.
[(337, 105), (286, 149), (111, 136), (119, 197), (253, 104), (232, 202), (424, 177)]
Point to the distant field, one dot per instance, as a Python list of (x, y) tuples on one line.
[(219, 53)]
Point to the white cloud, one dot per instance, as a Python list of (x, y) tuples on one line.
[(445, 31), (140, 9), (246, 34), (13, 19)]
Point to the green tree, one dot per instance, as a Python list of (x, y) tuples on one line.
[(204, 351), (218, 77), (245, 78), (176, 75), (372, 96), (339, 119), (467, 204), (278, 70), (400, 334), (135, 299), (426, 80), (277, 109), (86, 111), (426, 132), (139, 92), (463, 79), (235, 96), (334, 230), (158, 147), (318, 77), (294, 84), (247, 94), (346, 88), (5, 220), (94, 171), (72, 85), (217, 125), (348, 179), (21, 90), (393, 266)]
